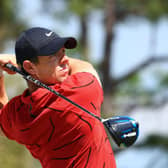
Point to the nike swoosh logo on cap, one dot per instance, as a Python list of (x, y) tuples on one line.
[(48, 34)]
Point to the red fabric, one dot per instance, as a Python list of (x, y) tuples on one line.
[(55, 131)]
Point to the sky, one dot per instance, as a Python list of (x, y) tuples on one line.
[(142, 158)]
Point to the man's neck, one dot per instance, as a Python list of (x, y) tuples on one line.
[(32, 87)]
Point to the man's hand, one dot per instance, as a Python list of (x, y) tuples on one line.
[(7, 58), (4, 59)]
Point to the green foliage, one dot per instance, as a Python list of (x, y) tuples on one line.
[(162, 79), (10, 24), (14, 155), (84, 7), (129, 5), (6, 12), (130, 86), (154, 9), (10, 152), (151, 9), (71, 7), (157, 140)]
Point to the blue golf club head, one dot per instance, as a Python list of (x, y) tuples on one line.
[(124, 130)]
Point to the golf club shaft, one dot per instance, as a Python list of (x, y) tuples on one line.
[(38, 83), (123, 130)]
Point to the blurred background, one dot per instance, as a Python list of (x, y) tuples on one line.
[(126, 40)]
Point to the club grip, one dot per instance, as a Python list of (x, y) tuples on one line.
[(13, 68), (10, 66)]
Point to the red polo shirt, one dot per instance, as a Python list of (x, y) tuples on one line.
[(55, 131)]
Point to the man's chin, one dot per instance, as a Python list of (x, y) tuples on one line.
[(63, 78), (59, 80)]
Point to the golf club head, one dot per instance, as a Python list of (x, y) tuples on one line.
[(124, 130)]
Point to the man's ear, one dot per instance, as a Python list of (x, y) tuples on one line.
[(29, 67)]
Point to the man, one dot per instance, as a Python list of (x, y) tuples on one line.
[(56, 132)]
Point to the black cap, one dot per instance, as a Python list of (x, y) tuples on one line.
[(39, 41)]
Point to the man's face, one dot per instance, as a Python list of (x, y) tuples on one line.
[(53, 68)]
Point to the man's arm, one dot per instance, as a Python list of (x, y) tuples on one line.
[(77, 65), (3, 94), (5, 58)]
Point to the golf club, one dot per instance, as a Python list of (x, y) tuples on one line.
[(124, 130)]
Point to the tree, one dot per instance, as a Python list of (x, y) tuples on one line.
[(116, 11), (10, 24)]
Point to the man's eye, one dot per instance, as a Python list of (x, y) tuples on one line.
[(51, 56)]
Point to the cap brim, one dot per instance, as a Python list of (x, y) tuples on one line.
[(70, 43), (56, 44)]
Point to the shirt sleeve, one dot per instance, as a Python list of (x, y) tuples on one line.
[(5, 119)]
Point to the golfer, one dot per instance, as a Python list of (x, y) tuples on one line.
[(56, 132)]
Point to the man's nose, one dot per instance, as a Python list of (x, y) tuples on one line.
[(64, 59)]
